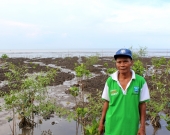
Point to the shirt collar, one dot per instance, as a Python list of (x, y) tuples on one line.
[(115, 75)]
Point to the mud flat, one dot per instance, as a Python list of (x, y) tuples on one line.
[(58, 89)]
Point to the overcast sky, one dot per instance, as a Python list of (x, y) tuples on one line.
[(77, 24)]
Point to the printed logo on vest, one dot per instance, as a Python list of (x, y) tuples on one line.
[(136, 90), (113, 92)]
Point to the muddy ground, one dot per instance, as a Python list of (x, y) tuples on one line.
[(69, 63), (36, 65)]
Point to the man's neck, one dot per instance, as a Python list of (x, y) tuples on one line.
[(125, 75)]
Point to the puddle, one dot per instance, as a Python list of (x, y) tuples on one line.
[(150, 70), (63, 126), (97, 65), (162, 131), (79, 60), (108, 59), (64, 99)]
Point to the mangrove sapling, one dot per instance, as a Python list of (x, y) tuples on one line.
[(4, 56), (86, 113), (30, 96), (74, 91), (81, 71), (80, 110), (106, 64), (15, 76), (110, 71), (91, 60), (142, 52), (138, 67), (93, 128), (159, 87), (35, 66), (167, 119), (94, 106), (158, 62)]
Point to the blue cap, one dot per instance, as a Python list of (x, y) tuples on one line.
[(123, 52)]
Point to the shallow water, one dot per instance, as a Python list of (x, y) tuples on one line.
[(63, 127), (162, 131), (77, 52)]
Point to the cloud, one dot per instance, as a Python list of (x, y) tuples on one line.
[(144, 13), (9, 27), (84, 22), (138, 18), (16, 24), (63, 35), (114, 16)]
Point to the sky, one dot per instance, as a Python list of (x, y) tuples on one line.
[(84, 24)]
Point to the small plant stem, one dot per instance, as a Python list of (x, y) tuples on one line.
[(13, 121)]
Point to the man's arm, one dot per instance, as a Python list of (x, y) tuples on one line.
[(102, 120), (142, 110)]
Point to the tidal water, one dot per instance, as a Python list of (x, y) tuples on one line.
[(62, 126), (77, 52)]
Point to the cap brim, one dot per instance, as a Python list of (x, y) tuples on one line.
[(122, 55)]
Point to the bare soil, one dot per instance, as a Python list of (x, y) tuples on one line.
[(90, 85)]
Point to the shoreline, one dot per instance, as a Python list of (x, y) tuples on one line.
[(78, 53)]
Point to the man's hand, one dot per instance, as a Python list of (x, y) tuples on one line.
[(102, 120), (142, 108), (101, 128), (141, 131)]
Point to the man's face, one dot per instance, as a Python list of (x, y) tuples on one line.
[(123, 64)]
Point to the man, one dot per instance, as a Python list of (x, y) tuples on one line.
[(125, 94)]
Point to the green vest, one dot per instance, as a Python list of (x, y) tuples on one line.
[(122, 117)]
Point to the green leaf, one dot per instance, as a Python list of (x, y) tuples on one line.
[(168, 127)]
